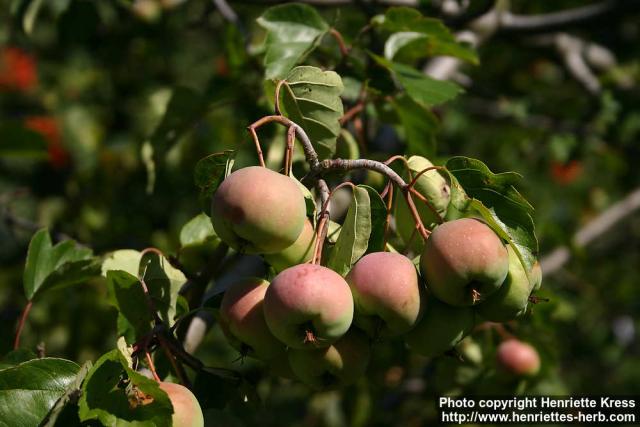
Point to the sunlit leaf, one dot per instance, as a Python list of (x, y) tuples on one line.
[(311, 98), (29, 390), (354, 235), (64, 264), (293, 31), (496, 199), (413, 36), (423, 89), (138, 402)]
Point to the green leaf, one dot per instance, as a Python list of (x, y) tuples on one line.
[(423, 89), (29, 391), (354, 235), (378, 219), (414, 36), (293, 31), (309, 201), (112, 402), (164, 282), (48, 266), (71, 395), (419, 124), (124, 259), (162, 279), (198, 230), (16, 357), (184, 107), (346, 146), (18, 141), (209, 173), (311, 98), (496, 199), (126, 294), (30, 16)]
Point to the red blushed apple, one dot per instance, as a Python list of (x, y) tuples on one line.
[(186, 409), (518, 358), (386, 293), (308, 306), (464, 261), (242, 319), (256, 210)]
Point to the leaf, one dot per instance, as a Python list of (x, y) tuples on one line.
[(293, 31), (415, 36), (124, 259), (126, 295), (29, 391), (106, 399), (209, 173), (16, 357), (162, 279), (311, 98), (354, 235), (496, 199), (346, 146), (30, 16), (420, 126), (198, 230), (183, 108), (18, 141), (378, 219), (423, 89), (71, 395), (164, 282), (309, 201), (64, 264)]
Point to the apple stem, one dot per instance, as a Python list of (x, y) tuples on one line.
[(323, 223), (288, 155), (426, 201), (536, 300), (387, 221), (475, 295)]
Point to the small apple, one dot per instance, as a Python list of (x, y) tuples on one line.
[(511, 300), (256, 210), (386, 293), (186, 409), (308, 306), (335, 366), (518, 358), (442, 327), (242, 319), (464, 262), (299, 252)]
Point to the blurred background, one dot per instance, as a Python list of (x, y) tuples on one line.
[(87, 88)]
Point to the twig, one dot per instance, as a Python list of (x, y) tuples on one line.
[(177, 367), (321, 232), (597, 227), (344, 50), (21, 323), (152, 367), (351, 113)]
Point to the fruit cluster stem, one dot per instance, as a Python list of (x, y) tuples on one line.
[(318, 168)]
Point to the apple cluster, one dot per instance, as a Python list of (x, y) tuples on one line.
[(314, 325)]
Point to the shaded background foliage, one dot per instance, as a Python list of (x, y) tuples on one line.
[(93, 85)]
